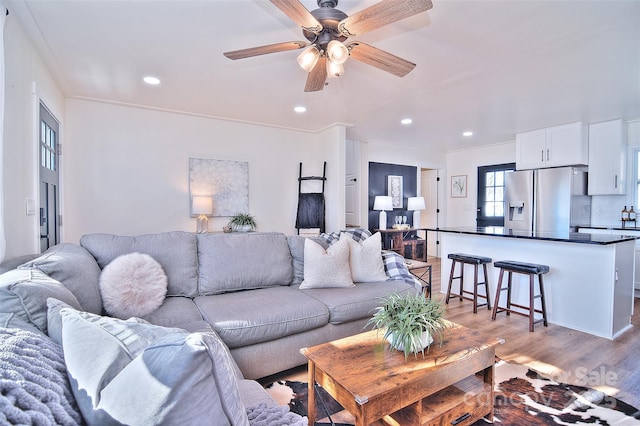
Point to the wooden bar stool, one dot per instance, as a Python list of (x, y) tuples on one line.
[(530, 269), (468, 259)]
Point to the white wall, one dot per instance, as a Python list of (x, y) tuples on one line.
[(126, 169), (26, 82), (462, 211)]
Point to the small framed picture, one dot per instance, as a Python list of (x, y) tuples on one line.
[(394, 190), (458, 186)]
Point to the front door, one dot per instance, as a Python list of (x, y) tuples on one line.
[(49, 180)]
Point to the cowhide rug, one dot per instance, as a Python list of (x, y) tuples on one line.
[(522, 397)]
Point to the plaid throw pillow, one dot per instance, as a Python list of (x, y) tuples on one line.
[(357, 234), (396, 269)]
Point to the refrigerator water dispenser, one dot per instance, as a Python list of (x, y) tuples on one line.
[(516, 210)]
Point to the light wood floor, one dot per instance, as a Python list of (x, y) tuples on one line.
[(567, 355)]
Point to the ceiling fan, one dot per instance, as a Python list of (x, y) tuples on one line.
[(327, 29)]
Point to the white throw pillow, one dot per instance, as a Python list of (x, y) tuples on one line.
[(365, 259), (326, 268), (132, 285), (127, 372)]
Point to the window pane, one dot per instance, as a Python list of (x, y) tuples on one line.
[(43, 131), (500, 178), (43, 156), (499, 196), (499, 209), (490, 179), (489, 209), (490, 194)]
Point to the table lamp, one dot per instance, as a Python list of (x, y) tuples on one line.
[(203, 207), (416, 204), (382, 203)]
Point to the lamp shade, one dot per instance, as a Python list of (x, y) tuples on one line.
[(202, 206), (416, 203), (308, 58), (383, 202), (337, 52)]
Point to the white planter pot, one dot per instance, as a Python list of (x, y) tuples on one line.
[(242, 228), (425, 340)]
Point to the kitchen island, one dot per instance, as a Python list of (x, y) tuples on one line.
[(590, 283)]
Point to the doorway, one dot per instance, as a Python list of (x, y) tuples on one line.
[(490, 209), (49, 148), (429, 216)]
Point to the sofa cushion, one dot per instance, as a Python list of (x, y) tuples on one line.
[(365, 259), (34, 389), (176, 251), (132, 285), (326, 268), (296, 246), (76, 269), (349, 304), (134, 373), (24, 292), (240, 261), (248, 317)]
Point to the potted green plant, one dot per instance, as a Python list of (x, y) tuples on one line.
[(242, 222), (411, 321)]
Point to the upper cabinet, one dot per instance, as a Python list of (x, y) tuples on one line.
[(565, 145), (607, 158)]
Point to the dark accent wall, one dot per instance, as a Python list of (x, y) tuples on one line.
[(378, 173)]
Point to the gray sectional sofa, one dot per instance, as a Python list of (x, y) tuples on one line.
[(241, 288)]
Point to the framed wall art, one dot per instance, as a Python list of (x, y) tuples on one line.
[(226, 181), (394, 190), (459, 186)]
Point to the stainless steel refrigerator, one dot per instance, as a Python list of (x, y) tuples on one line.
[(547, 200)]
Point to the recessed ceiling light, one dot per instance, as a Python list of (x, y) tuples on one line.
[(467, 133), (406, 121), (152, 80), (300, 109)]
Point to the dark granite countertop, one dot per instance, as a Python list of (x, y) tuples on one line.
[(568, 237)]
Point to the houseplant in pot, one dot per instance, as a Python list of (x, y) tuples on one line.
[(242, 222), (411, 321)]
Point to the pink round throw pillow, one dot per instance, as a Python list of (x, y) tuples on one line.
[(132, 285)]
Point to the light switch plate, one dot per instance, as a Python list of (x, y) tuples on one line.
[(31, 206)]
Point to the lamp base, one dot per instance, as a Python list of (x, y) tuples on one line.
[(382, 221), (202, 224), (416, 219)]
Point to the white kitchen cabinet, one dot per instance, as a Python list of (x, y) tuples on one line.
[(565, 145), (607, 158), (633, 233)]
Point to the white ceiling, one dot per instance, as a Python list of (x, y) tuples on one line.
[(494, 67)]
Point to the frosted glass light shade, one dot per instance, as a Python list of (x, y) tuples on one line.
[(337, 52), (308, 58), (334, 70)]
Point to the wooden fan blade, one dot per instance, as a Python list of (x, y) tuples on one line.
[(263, 50), (380, 59), (381, 14), (317, 76), (299, 14)]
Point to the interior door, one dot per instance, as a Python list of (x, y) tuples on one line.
[(429, 216), (49, 180), (352, 210)]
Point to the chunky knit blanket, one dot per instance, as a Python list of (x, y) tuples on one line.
[(263, 415), (34, 388)]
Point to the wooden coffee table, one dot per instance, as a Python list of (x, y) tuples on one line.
[(452, 384)]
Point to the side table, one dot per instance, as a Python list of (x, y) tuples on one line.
[(413, 265)]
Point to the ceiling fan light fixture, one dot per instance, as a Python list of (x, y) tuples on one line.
[(337, 52), (334, 70), (308, 58)]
